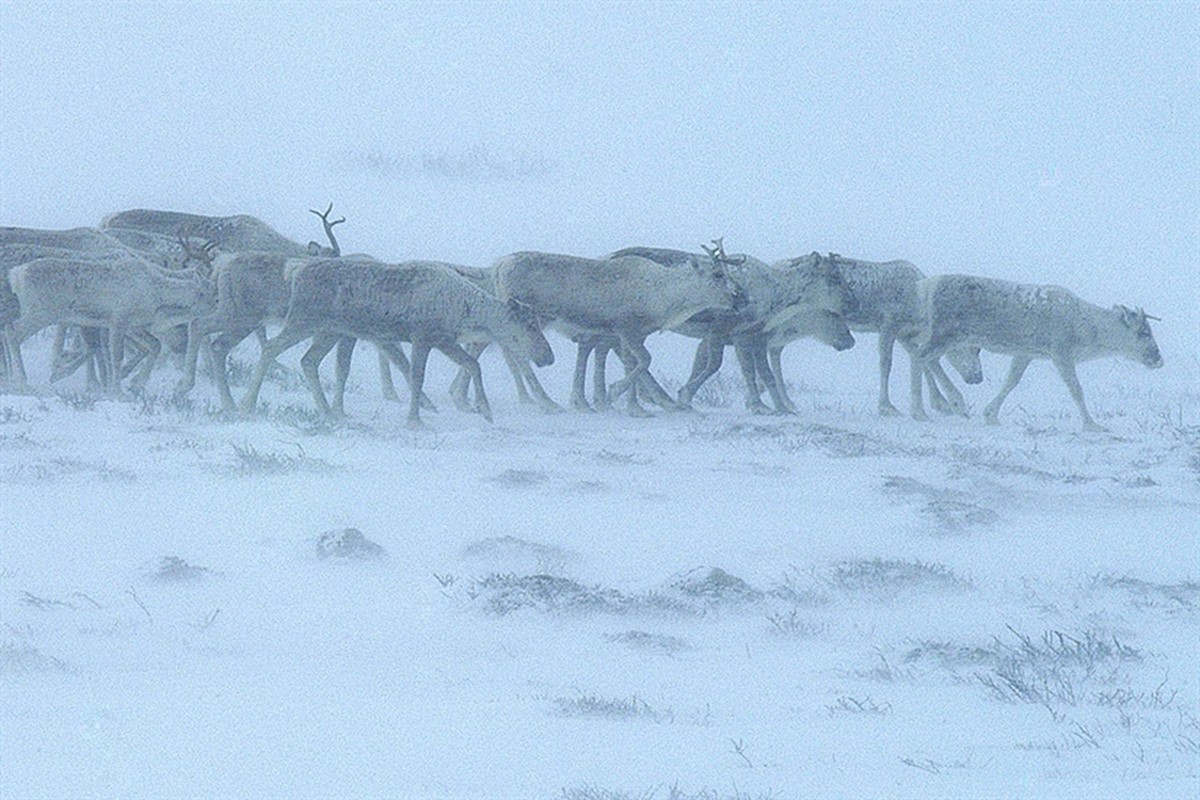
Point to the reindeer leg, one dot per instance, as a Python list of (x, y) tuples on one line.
[(465, 359), (634, 349), (385, 377), (1066, 369), (777, 368), (602, 398), (955, 402), (270, 351), (420, 356), (887, 342), (758, 349), (395, 354), (462, 381), (345, 352), (991, 414), (746, 361), (310, 364), (583, 349), (151, 347)]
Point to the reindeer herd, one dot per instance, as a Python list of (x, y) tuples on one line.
[(146, 281)]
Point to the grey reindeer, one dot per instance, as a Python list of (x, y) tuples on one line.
[(1030, 322), (22, 245), (122, 295), (887, 303), (626, 298), (423, 302), (774, 295)]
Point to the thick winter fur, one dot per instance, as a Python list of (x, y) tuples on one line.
[(1030, 322), (626, 297), (120, 295), (21, 245), (888, 304), (423, 302), (230, 234), (770, 296)]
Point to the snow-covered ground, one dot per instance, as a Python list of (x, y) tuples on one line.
[(705, 604)]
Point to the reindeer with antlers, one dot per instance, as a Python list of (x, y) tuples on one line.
[(1030, 322)]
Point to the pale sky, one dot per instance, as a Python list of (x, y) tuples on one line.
[(1042, 142)]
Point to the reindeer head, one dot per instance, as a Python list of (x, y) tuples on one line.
[(530, 342), (199, 258), (1139, 343), (716, 269)]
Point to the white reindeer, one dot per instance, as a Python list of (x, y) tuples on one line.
[(888, 304), (120, 295), (423, 302), (21, 245), (811, 323), (774, 295), (1027, 322), (627, 297)]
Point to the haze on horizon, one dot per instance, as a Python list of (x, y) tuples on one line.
[(1051, 143)]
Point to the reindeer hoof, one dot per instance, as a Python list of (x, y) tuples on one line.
[(889, 411)]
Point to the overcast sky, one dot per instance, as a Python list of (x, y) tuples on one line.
[(1054, 143)]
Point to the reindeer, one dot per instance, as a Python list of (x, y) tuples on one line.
[(529, 388), (773, 296), (120, 295), (811, 323), (627, 298), (21, 245), (426, 303), (887, 304), (1029, 322)]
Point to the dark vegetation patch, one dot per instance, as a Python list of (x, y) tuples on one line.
[(1182, 596), (1057, 670), (716, 586), (650, 642), (503, 594), (52, 470), (519, 478), (173, 569), (887, 577), (249, 460), (10, 415), (866, 705), (947, 510), (796, 438), (73, 602), (348, 544), (22, 659), (617, 709)]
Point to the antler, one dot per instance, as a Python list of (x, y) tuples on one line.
[(717, 253), (337, 251), (203, 254)]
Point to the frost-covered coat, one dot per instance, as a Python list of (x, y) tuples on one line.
[(423, 302), (626, 297), (1030, 322)]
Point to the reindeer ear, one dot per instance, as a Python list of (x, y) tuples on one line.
[(314, 249)]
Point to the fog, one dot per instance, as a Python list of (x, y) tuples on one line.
[(1047, 143)]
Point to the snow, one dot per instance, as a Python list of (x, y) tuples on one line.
[(549, 621), (170, 629)]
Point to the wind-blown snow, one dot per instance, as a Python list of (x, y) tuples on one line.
[(590, 606)]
